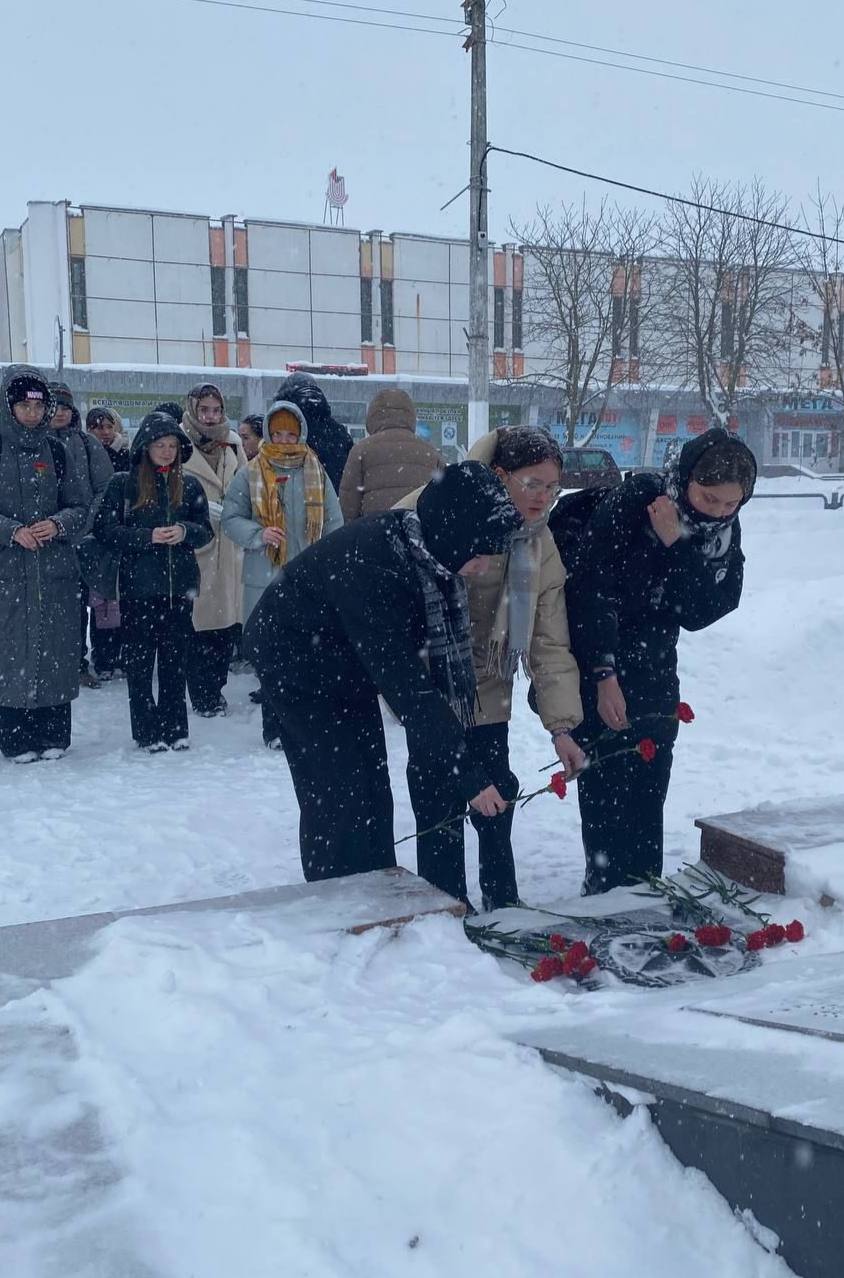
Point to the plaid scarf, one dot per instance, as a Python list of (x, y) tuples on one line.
[(267, 480), (449, 648)]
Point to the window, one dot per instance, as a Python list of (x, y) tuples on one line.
[(387, 334), (617, 325), (365, 309), (241, 300), (498, 318), (78, 293), (517, 319), (218, 301), (633, 351), (825, 337), (727, 334)]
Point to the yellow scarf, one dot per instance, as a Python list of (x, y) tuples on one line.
[(267, 481)]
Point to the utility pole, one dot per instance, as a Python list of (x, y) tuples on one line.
[(478, 335)]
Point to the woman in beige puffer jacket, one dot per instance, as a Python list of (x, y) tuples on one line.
[(518, 618)]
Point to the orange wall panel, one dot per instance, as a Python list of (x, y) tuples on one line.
[(389, 359), (244, 353), (241, 253), (221, 352), (216, 246)]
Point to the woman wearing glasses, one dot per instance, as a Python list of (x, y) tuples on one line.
[(518, 618)]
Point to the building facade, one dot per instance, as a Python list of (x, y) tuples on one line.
[(146, 290)]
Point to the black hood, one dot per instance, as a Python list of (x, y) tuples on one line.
[(156, 426), (303, 391), (28, 438), (465, 511), (63, 396), (692, 452)]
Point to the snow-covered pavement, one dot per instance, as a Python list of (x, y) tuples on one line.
[(234, 1098)]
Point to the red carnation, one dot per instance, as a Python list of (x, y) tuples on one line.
[(281, 479), (712, 934), (547, 968), (684, 712), (795, 931), (40, 467), (578, 952), (557, 784), (586, 967), (676, 943), (558, 942), (774, 934), (647, 749), (756, 940)]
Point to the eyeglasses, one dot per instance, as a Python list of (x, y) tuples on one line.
[(535, 488)]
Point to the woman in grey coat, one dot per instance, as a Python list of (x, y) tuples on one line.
[(43, 508), (275, 507)]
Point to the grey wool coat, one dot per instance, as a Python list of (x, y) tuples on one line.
[(240, 524), (39, 589)]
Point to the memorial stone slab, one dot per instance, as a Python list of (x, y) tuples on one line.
[(43, 951), (746, 1086), (795, 847)]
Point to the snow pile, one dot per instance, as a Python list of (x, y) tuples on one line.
[(334, 1106), (234, 1098)]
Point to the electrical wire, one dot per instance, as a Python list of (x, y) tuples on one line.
[(509, 44), (664, 62), (661, 195), (325, 17), (577, 44), (666, 75)]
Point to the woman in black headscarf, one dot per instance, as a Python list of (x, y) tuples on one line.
[(379, 606), (659, 554)]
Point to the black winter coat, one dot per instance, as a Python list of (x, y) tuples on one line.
[(119, 458), (629, 595), (345, 621), (329, 438), (147, 569)]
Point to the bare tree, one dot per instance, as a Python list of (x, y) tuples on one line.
[(820, 329), (728, 300), (587, 298)]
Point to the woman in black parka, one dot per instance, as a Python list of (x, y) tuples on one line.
[(157, 517), (659, 554), (379, 606)]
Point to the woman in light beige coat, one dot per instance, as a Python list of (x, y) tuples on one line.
[(218, 610), (518, 618)]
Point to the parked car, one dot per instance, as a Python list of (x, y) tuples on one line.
[(589, 468)]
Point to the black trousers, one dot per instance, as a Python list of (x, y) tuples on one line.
[(621, 800), (440, 857), (269, 721), (338, 762), (156, 628), (209, 655), (22, 731), (105, 647)]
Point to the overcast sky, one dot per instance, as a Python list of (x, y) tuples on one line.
[(174, 104)]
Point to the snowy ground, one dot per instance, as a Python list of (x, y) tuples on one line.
[(260, 1103)]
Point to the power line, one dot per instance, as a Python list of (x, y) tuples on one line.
[(662, 195), (576, 44), (509, 44), (666, 75), (326, 17), (665, 62)]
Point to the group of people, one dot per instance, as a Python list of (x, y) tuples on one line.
[(355, 575)]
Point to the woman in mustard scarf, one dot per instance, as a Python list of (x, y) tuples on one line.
[(280, 503)]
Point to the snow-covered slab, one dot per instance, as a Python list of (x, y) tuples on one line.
[(725, 1065), (44, 951), (813, 1008), (795, 847)]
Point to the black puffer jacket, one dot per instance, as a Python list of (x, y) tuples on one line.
[(147, 569), (629, 595), (329, 438)]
